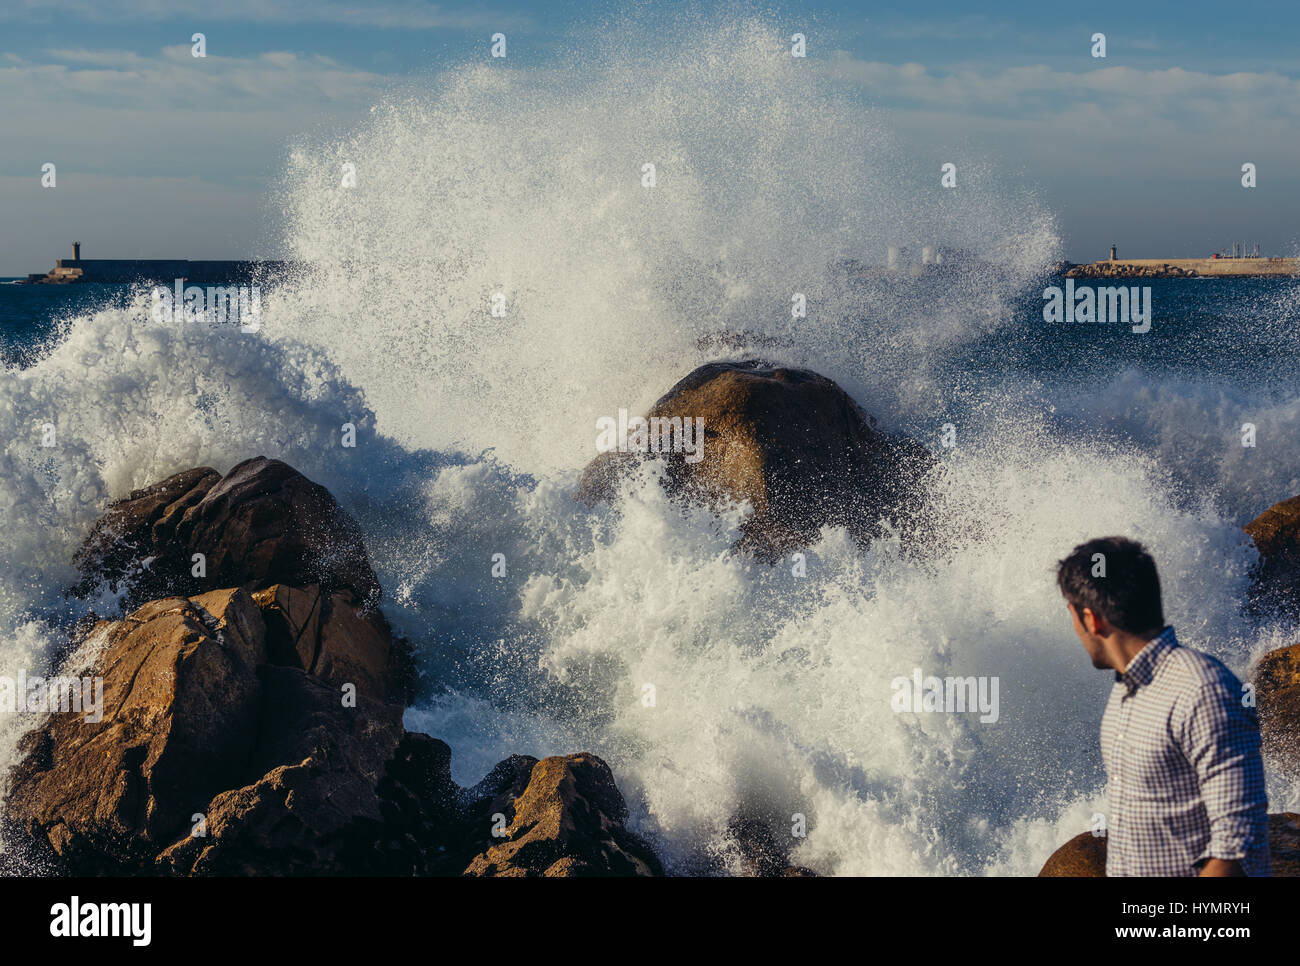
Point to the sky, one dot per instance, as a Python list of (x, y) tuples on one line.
[(1142, 149)]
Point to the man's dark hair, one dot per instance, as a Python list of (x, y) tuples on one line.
[(1126, 590)]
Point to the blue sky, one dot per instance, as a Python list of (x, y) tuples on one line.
[(1143, 148)]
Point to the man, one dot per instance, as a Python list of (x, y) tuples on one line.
[(1180, 746)]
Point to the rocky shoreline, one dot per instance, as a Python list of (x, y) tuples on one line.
[(256, 729), (254, 693)]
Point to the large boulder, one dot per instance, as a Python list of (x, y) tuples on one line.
[(1084, 856), (568, 821), (790, 442), (218, 752), (1276, 533), (261, 524), (179, 719), (1277, 698)]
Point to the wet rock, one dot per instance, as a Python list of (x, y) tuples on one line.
[(126, 540), (263, 523), (316, 808), (331, 638), (761, 854), (179, 719), (569, 821), (790, 442), (1276, 533), (497, 793), (1084, 856), (1277, 699)]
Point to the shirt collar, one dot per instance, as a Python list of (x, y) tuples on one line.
[(1143, 665)]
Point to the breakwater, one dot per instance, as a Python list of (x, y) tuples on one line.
[(1187, 268), (117, 270)]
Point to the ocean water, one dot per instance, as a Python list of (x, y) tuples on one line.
[(771, 691)]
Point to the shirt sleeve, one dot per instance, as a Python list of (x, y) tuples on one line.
[(1220, 738)]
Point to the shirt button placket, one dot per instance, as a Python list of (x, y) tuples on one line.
[(1117, 804)]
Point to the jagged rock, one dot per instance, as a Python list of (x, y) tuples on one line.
[(327, 636), (316, 808), (263, 523), (790, 442), (287, 777), (1277, 698), (1084, 856), (1276, 533), (567, 822), (180, 700), (267, 523), (497, 793), (133, 529)]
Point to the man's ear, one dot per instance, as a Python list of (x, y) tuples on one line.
[(1093, 624)]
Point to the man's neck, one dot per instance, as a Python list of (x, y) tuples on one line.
[(1125, 646)]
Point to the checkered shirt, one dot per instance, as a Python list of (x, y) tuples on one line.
[(1186, 777)]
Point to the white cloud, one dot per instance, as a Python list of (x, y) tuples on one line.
[(122, 80), (388, 14), (1038, 90)]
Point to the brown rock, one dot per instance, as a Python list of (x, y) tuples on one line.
[(131, 530), (266, 523), (793, 444), (499, 790), (316, 808), (329, 637), (287, 777), (180, 696), (262, 523), (1277, 698), (1084, 856), (568, 822), (1276, 533)]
